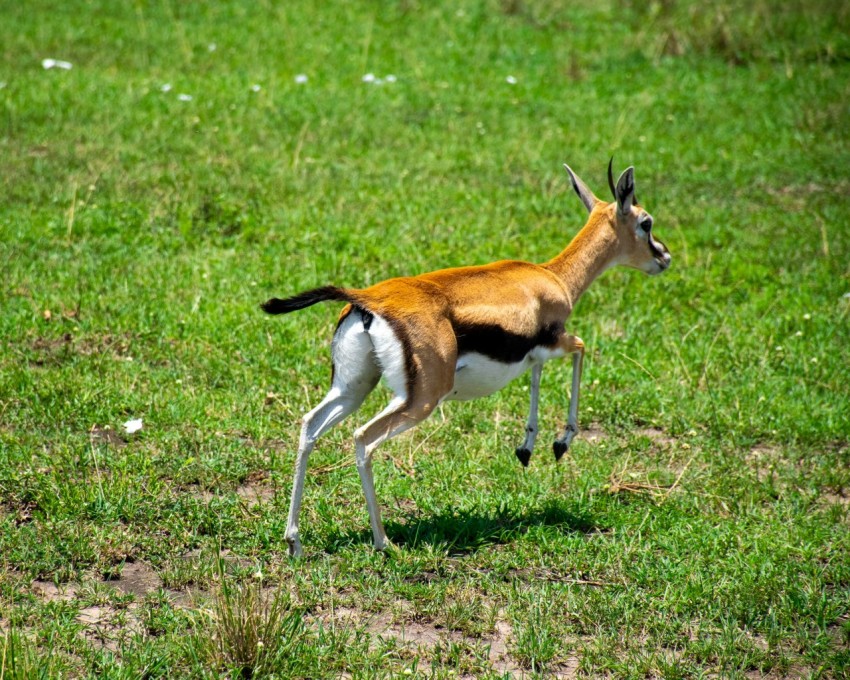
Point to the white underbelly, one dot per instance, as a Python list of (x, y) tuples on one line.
[(478, 376)]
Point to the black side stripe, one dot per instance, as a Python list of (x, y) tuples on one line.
[(502, 345)]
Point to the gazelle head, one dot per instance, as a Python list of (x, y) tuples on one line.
[(638, 248)]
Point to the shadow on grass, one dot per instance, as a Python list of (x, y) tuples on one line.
[(465, 531)]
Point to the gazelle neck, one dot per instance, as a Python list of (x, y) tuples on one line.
[(593, 250)]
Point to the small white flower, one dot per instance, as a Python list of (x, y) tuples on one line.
[(390, 78), (184, 97), (255, 88), (258, 575), (814, 360), (132, 426), (846, 296), (510, 80), (301, 78), (56, 63), (779, 348), (368, 78), (166, 87), (807, 316), (212, 47), (799, 334), (260, 644)]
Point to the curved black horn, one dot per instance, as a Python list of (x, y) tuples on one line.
[(611, 178)]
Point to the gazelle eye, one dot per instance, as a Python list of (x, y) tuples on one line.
[(646, 224)]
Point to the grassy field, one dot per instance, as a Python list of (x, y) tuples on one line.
[(199, 158)]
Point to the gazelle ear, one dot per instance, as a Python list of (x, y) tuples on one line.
[(625, 192), (585, 194)]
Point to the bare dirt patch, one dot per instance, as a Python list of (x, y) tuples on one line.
[(657, 436), (109, 626), (51, 592), (115, 345), (552, 576), (594, 434), (792, 673), (424, 637), (106, 625), (106, 435), (764, 458), (839, 497), (251, 493), (137, 578), (254, 494), (276, 445), (49, 351), (55, 350)]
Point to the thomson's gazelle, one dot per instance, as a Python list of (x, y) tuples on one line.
[(465, 333)]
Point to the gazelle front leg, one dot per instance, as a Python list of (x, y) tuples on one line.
[(524, 451), (571, 345)]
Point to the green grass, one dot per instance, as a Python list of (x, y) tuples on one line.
[(703, 531)]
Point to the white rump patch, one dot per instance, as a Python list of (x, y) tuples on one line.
[(390, 355)]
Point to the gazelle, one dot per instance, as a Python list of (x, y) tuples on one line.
[(464, 333)]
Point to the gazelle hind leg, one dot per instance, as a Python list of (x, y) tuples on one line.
[(419, 381), (571, 345), (355, 375), (392, 421)]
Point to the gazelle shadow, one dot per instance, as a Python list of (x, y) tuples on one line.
[(461, 532)]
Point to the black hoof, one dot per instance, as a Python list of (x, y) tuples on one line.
[(524, 456), (560, 448)]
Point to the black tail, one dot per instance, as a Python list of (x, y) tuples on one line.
[(305, 299)]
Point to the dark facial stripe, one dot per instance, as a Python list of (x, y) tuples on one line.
[(501, 345), (654, 249)]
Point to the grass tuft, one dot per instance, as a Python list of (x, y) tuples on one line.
[(250, 629)]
